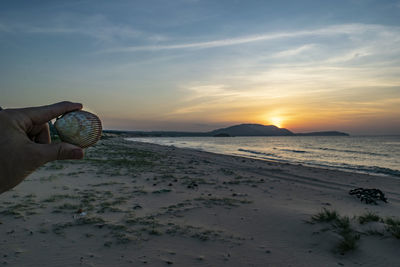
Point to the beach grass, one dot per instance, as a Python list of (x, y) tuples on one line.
[(349, 236), (345, 227), (393, 226), (368, 217), (325, 216)]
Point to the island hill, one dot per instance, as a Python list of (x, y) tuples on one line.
[(236, 130)]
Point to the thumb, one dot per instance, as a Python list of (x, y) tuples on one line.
[(60, 151)]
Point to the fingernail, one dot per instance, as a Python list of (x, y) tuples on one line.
[(77, 153)]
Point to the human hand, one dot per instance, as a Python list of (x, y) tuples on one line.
[(25, 142)]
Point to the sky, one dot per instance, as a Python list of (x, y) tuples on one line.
[(198, 65)]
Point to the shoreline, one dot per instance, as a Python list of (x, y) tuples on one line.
[(131, 203), (271, 162), (379, 171)]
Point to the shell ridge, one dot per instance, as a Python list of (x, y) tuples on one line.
[(80, 128)]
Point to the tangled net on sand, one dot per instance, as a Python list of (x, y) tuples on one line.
[(370, 196)]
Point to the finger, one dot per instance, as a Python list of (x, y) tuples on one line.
[(43, 137), (43, 114), (59, 151)]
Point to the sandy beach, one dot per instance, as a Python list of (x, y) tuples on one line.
[(137, 204)]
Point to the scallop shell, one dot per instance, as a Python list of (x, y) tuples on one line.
[(79, 128)]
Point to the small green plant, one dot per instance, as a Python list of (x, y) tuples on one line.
[(368, 217), (54, 198), (225, 201), (161, 191), (393, 227), (350, 237), (340, 225), (325, 216), (154, 231), (108, 244), (349, 242)]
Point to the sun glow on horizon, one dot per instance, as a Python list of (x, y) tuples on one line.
[(277, 121)]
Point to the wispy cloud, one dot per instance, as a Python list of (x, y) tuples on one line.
[(201, 45), (344, 30), (294, 52), (97, 27)]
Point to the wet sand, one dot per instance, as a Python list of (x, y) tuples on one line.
[(137, 204)]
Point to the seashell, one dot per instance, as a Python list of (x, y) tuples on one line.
[(79, 128)]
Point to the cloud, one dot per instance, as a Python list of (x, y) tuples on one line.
[(215, 90), (97, 27), (200, 45), (349, 30), (295, 51)]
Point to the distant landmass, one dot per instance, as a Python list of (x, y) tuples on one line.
[(266, 130), (235, 130), (252, 130)]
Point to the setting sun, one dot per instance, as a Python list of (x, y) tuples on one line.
[(276, 121)]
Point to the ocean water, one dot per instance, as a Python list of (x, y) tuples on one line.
[(366, 154)]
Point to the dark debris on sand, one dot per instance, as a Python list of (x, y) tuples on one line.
[(369, 196)]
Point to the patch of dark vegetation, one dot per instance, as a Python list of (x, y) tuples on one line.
[(348, 243), (393, 226), (106, 184), (200, 233), (243, 180), (109, 206), (58, 197), (126, 163), (368, 217), (225, 201), (55, 165), (349, 236), (147, 220), (59, 228), (325, 216), (24, 207), (68, 206), (226, 171), (342, 225), (161, 191), (118, 159), (179, 207)]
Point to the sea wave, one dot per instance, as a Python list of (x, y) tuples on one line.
[(380, 170), (293, 150), (258, 152), (352, 151)]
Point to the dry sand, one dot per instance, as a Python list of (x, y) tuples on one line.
[(136, 204)]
